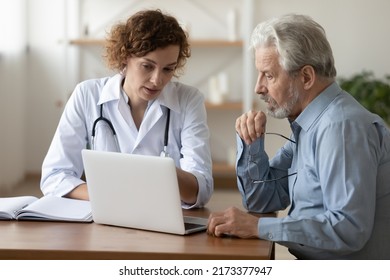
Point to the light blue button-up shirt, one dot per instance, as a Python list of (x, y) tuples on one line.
[(339, 197)]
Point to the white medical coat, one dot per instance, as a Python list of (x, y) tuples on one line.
[(188, 142)]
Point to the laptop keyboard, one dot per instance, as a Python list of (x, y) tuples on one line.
[(191, 226)]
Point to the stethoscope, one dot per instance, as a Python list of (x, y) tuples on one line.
[(164, 152)]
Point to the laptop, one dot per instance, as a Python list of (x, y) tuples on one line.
[(136, 191)]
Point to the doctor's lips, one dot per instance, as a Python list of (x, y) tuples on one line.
[(152, 91)]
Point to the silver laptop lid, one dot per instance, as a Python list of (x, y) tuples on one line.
[(134, 191)]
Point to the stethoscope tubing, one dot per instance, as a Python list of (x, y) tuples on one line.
[(101, 118), (164, 152)]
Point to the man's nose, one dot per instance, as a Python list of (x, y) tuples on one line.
[(261, 85)]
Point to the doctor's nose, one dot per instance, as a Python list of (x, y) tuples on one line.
[(156, 78)]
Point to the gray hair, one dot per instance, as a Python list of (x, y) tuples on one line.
[(299, 40)]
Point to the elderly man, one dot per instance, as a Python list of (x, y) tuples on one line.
[(334, 172)]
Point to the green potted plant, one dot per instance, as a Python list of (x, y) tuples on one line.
[(372, 93)]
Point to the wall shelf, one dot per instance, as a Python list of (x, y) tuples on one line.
[(87, 42), (229, 105), (224, 176), (194, 43), (216, 43), (223, 169)]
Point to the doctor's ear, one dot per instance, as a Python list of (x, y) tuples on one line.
[(307, 76), (123, 71), (125, 62)]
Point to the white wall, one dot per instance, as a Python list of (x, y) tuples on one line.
[(357, 30), (12, 91), (46, 77)]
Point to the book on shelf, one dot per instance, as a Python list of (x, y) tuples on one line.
[(46, 208)]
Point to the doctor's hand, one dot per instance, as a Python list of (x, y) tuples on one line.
[(80, 192), (251, 125), (233, 222)]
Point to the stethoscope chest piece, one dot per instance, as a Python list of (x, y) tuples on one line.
[(164, 153)]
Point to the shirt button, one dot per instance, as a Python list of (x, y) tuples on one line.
[(270, 236)]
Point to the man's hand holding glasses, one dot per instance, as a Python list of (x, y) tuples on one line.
[(251, 126)]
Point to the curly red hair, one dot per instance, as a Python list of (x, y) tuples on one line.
[(144, 32)]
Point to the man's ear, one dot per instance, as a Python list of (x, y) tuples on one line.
[(308, 76)]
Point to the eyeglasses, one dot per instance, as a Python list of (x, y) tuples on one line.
[(281, 135), (273, 180), (282, 177)]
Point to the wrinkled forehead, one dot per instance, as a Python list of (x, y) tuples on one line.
[(267, 58)]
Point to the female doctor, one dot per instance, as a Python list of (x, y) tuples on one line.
[(139, 111)]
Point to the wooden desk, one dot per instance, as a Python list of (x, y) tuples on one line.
[(56, 240)]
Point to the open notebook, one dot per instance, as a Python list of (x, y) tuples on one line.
[(46, 208), (136, 191)]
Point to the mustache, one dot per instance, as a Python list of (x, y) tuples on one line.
[(266, 98)]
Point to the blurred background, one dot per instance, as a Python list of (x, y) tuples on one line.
[(48, 46)]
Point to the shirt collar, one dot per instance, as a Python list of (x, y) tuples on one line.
[(169, 97), (315, 109), (111, 90)]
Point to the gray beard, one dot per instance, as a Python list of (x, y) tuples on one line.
[(285, 111)]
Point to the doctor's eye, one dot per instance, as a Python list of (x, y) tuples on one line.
[(169, 69), (147, 67)]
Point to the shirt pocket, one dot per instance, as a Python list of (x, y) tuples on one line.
[(305, 188)]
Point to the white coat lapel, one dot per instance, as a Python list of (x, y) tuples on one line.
[(153, 114)]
